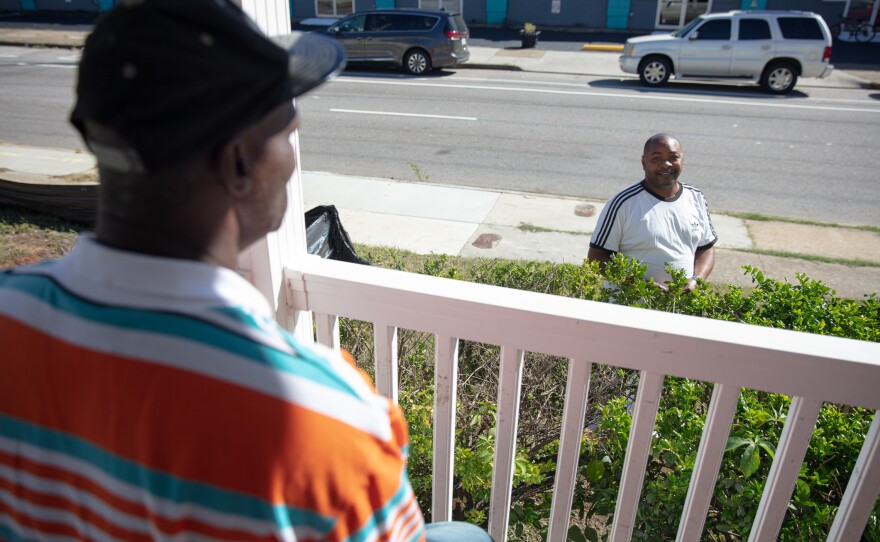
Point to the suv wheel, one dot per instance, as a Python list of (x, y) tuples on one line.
[(654, 71), (417, 62), (779, 77)]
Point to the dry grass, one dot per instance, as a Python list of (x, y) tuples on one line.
[(27, 237)]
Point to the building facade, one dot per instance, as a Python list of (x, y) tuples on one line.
[(588, 14), (637, 15)]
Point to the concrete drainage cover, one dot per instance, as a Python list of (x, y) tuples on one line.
[(487, 240), (585, 210)]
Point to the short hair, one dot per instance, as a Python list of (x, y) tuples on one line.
[(662, 136)]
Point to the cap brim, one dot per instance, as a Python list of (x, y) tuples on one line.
[(313, 59)]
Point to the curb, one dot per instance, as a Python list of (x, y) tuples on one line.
[(479, 66), (602, 47), (41, 45)]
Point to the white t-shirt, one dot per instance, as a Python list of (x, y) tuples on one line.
[(654, 230)]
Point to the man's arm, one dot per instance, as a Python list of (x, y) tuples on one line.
[(598, 255), (704, 262)]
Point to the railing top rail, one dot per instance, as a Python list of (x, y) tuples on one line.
[(799, 364)]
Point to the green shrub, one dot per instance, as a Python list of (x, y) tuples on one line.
[(806, 305)]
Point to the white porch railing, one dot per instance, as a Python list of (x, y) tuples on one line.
[(810, 368)]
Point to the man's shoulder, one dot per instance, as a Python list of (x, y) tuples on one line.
[(627, 193), (692, 190)]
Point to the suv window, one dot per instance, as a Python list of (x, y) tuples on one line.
[(718, 29), (800, 28), (754, 29)]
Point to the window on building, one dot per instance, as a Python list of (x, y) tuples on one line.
[(333, 8)]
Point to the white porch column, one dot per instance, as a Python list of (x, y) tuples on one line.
[(264, 262)]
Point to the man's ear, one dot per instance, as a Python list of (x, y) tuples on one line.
[(235, 168)]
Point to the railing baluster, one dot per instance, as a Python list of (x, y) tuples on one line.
[(722, 408), (509, 387), (576, 389), (790, 452), (861, 491), (636, 460), (327, 326), (445, 388), (385, 354)]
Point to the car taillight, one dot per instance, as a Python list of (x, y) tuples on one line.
[(456, 34), (826, 56)]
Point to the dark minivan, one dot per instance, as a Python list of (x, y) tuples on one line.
[(417, 40)]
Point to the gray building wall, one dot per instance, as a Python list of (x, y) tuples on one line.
[(830, 11), (575, 13), (725, 5), (65, 5), (642, 14), (474, 12)]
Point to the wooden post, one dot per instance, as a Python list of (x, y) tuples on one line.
[(263, 263)]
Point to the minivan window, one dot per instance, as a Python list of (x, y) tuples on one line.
[(754, 29), (800, 28), (718, 29), (415, 22), (354, 24)]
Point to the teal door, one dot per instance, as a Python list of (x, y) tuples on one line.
[(496, 11), (617, 15)]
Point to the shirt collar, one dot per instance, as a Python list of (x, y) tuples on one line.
[(152, 281)]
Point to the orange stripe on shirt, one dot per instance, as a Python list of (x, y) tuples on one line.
[(196, 427), (137, 509)]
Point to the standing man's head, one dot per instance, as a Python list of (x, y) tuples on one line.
[(187, 106), (662, 160)]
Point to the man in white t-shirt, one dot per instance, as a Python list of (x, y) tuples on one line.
[(658, 220)]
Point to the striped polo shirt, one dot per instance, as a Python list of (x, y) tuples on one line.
[(654, 230), (147, 398)]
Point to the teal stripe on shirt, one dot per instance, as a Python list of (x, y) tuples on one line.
[(180, 326), (162, 484), (6, 533), (382, 514)]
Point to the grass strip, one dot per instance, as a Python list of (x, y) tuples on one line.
[(765, 218), (808, 257)]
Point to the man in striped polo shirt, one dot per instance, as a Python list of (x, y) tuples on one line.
[(146, 392), (658, 220)]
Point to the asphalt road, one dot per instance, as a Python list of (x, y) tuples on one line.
[(810, 157)]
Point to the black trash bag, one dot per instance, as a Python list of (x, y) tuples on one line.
[(326, 237)]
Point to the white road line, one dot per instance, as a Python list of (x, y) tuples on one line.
[(612, 95), (45, 65), (393, 114)]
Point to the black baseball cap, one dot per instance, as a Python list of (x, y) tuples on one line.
[(162, 81)]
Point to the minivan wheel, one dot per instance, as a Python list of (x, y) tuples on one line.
[(654, 71), (779, 77), (417, 62)]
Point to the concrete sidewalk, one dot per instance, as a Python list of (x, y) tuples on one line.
[(429, 218)]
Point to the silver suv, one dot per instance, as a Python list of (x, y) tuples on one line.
[(772, 48), (417, 40)]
